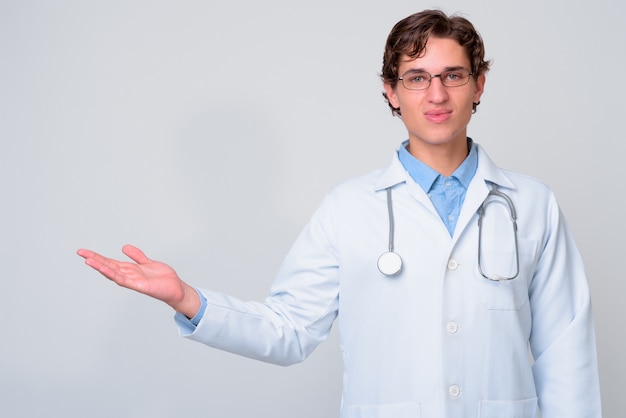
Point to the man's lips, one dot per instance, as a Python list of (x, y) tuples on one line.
[(438, 116)]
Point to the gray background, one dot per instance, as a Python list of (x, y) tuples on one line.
[(130, 122)]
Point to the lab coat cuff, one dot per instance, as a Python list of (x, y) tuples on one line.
[(186, 325)]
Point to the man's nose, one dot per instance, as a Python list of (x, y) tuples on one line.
[(437, 92)]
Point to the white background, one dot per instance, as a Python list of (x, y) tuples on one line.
[(207, 132)]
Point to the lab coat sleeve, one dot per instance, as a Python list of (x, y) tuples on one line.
[(295, 317), (562, 339)]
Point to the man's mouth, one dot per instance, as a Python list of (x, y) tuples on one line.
[(438, 116)]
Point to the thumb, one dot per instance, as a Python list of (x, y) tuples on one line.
[(135, 254)]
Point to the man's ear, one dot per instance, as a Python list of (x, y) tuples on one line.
[(480, 87), (392, 97)]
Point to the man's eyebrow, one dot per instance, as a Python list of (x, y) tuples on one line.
[(451, 68)]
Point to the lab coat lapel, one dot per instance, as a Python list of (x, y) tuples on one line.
[(487, 172), (476, 194), (397, 174)]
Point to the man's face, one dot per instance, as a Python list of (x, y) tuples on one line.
[(437, 115)]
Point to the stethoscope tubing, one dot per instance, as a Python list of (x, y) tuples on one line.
[(513, 214), (390, 262)]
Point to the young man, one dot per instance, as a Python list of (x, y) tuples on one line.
[(478, 266)]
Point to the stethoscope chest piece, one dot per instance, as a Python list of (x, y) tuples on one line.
[(389, 263)]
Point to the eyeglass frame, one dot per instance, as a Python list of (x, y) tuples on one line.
[(431, 76)]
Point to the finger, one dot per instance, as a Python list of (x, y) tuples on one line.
[(135, 254), (84, 253), (92, 259), (104, 266), (91, 255)]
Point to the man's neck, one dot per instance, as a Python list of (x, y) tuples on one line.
[(444, 158)]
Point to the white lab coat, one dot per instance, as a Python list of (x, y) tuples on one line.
[(437, 340)]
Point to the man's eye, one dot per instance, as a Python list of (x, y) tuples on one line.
[(417, 78), (453, 76)]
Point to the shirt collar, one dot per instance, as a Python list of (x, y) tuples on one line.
[(426, 176)]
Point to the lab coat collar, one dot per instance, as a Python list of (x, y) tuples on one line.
[(395, 173), (392, 175), (490, 172)]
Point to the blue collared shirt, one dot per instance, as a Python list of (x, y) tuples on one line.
[(446, 193)]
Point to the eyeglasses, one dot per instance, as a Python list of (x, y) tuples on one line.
[(420, 80)]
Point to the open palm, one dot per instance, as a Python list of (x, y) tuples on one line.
[(153, 278)]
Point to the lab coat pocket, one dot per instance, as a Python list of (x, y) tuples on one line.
[(397, 410), (525, 408), (508, 295)]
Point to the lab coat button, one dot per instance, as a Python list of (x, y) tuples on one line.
[(452, 264), (454, 391), (452, 327)]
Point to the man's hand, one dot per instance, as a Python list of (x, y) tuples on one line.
[(146, 276)]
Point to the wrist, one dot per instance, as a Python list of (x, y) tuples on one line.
[(190, 303)]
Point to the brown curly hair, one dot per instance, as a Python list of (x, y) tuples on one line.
[(409, 37)]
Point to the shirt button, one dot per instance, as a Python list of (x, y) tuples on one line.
[(453, 264), (454, 391), (452, 327)]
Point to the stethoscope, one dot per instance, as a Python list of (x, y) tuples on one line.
[(390, 262)]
